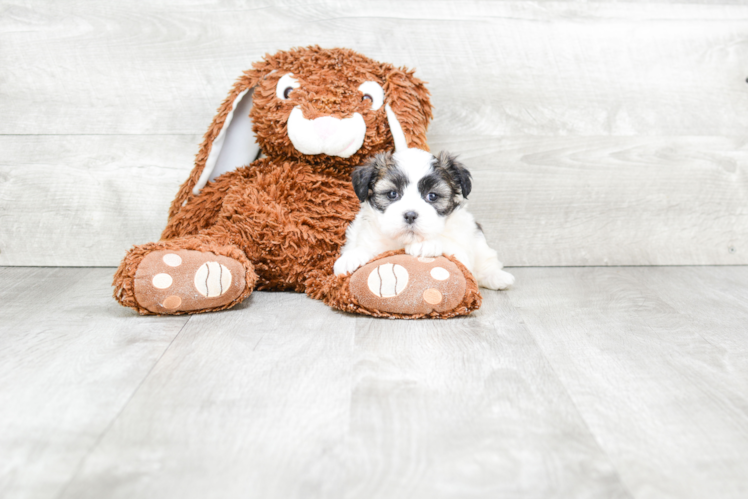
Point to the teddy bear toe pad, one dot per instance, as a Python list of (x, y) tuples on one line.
[(173, 281), (403, 284)]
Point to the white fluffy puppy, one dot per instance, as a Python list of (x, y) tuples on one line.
[(416, 201)]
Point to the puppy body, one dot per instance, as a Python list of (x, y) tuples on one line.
[(416, 201)]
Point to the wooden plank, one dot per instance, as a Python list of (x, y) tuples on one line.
[(280, 399), (247, 402), (588, 201), (495, 68), (577, 382), (665, 396), (465, 408), (499, 71), (84, 200), (713, 301), (70, 359)]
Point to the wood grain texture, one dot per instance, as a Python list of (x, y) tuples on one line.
[(84, 200), (466, 408), (655, 361), (495, 68), (610, 201), (599, 133), (286, 398), (249, 402), (70, 359), (577, 382)]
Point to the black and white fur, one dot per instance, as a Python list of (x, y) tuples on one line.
[(416, 201)]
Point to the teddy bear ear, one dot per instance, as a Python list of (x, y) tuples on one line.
[(408, 108), (229, 142), (234, 145), (232, 142)]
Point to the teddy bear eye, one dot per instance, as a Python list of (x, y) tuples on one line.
[(372, 92), (392, 195), (285, 86), (432, 196)]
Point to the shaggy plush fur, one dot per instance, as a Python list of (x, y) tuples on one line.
[(284, 216), (329, 76)]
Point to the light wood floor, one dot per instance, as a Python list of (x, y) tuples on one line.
[(578, 382)]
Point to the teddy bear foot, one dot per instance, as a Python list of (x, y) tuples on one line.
[(415, 287), (187, 281)]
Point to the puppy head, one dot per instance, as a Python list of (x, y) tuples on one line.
[(412, 192)]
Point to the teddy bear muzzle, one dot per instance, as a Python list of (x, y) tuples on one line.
[(326, 134)]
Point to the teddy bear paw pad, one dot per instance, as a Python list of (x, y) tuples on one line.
[(403, 284), (171, 281)]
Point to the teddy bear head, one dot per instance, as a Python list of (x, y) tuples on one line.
[(328, 108)]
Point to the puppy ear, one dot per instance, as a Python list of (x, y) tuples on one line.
[(364, 176), (457, 171), (361, 178)]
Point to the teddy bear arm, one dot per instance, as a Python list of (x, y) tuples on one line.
[(203, 211)]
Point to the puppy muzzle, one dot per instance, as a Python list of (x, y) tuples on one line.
[(410, 217)]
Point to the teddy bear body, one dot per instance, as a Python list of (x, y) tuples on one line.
[(287, 219), (279, 222)]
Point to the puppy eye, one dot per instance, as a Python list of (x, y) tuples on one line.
[(374, 93), (392, 195), (432, 196), (285, 86)]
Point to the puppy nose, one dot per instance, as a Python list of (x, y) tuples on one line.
[(410, 217)]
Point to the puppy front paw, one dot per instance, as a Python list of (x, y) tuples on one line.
[(349, 262), (497, 279), (424, 249)]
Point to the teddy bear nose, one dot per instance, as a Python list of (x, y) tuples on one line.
[(410, 217), (326, 126)]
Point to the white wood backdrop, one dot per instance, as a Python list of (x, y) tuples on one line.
[(606, 133)]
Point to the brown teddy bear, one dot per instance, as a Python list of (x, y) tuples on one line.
[(243, 221)]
